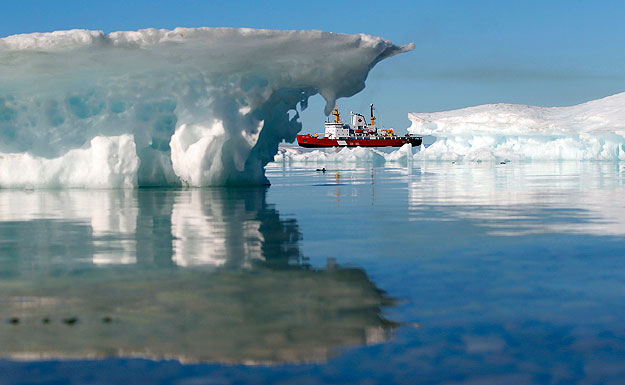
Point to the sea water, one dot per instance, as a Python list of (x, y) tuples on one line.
[(435, 272)]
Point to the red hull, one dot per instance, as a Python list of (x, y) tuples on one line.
[(311, 141)]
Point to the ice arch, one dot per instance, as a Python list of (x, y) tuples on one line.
[(202, 106)]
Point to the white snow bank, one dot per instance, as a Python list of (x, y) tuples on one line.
[(344, 155), (108, 161), (589, 131), (204, 106)]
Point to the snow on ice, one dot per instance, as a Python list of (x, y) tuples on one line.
[(402, 155), (499, 132)]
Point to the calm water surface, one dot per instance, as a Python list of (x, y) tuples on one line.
[(443, 273)]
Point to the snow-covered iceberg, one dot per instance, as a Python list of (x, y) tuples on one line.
[(203, 106), (588, 131)]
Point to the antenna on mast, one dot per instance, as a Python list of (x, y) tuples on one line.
[(372, 117)]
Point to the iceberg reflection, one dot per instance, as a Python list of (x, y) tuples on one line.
[(525, 198), (193, 275)]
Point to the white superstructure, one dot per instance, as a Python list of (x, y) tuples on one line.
[(358, 128)]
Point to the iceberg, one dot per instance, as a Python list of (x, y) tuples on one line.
[(189, 106), (590, 131)]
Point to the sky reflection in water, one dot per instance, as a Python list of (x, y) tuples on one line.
[(440, 273)]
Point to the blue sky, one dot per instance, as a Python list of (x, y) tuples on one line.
[(549, 53)]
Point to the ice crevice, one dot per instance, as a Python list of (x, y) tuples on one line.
[(198, 107)]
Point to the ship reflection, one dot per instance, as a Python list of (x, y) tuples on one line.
[(211, 275)]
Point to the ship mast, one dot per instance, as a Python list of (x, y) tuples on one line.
[(372, 117), (337, 117)]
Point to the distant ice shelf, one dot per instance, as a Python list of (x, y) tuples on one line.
[(588, 131)]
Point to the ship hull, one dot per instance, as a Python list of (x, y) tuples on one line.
[(313, 142)]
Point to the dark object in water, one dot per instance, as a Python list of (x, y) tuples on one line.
[(45, 320), (70, 321), (14, 320), (322, 169), (107, 320)]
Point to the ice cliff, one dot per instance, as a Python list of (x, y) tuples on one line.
[(204, 106), (588, 131)]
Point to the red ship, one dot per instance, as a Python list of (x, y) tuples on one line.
[(356, 134)]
